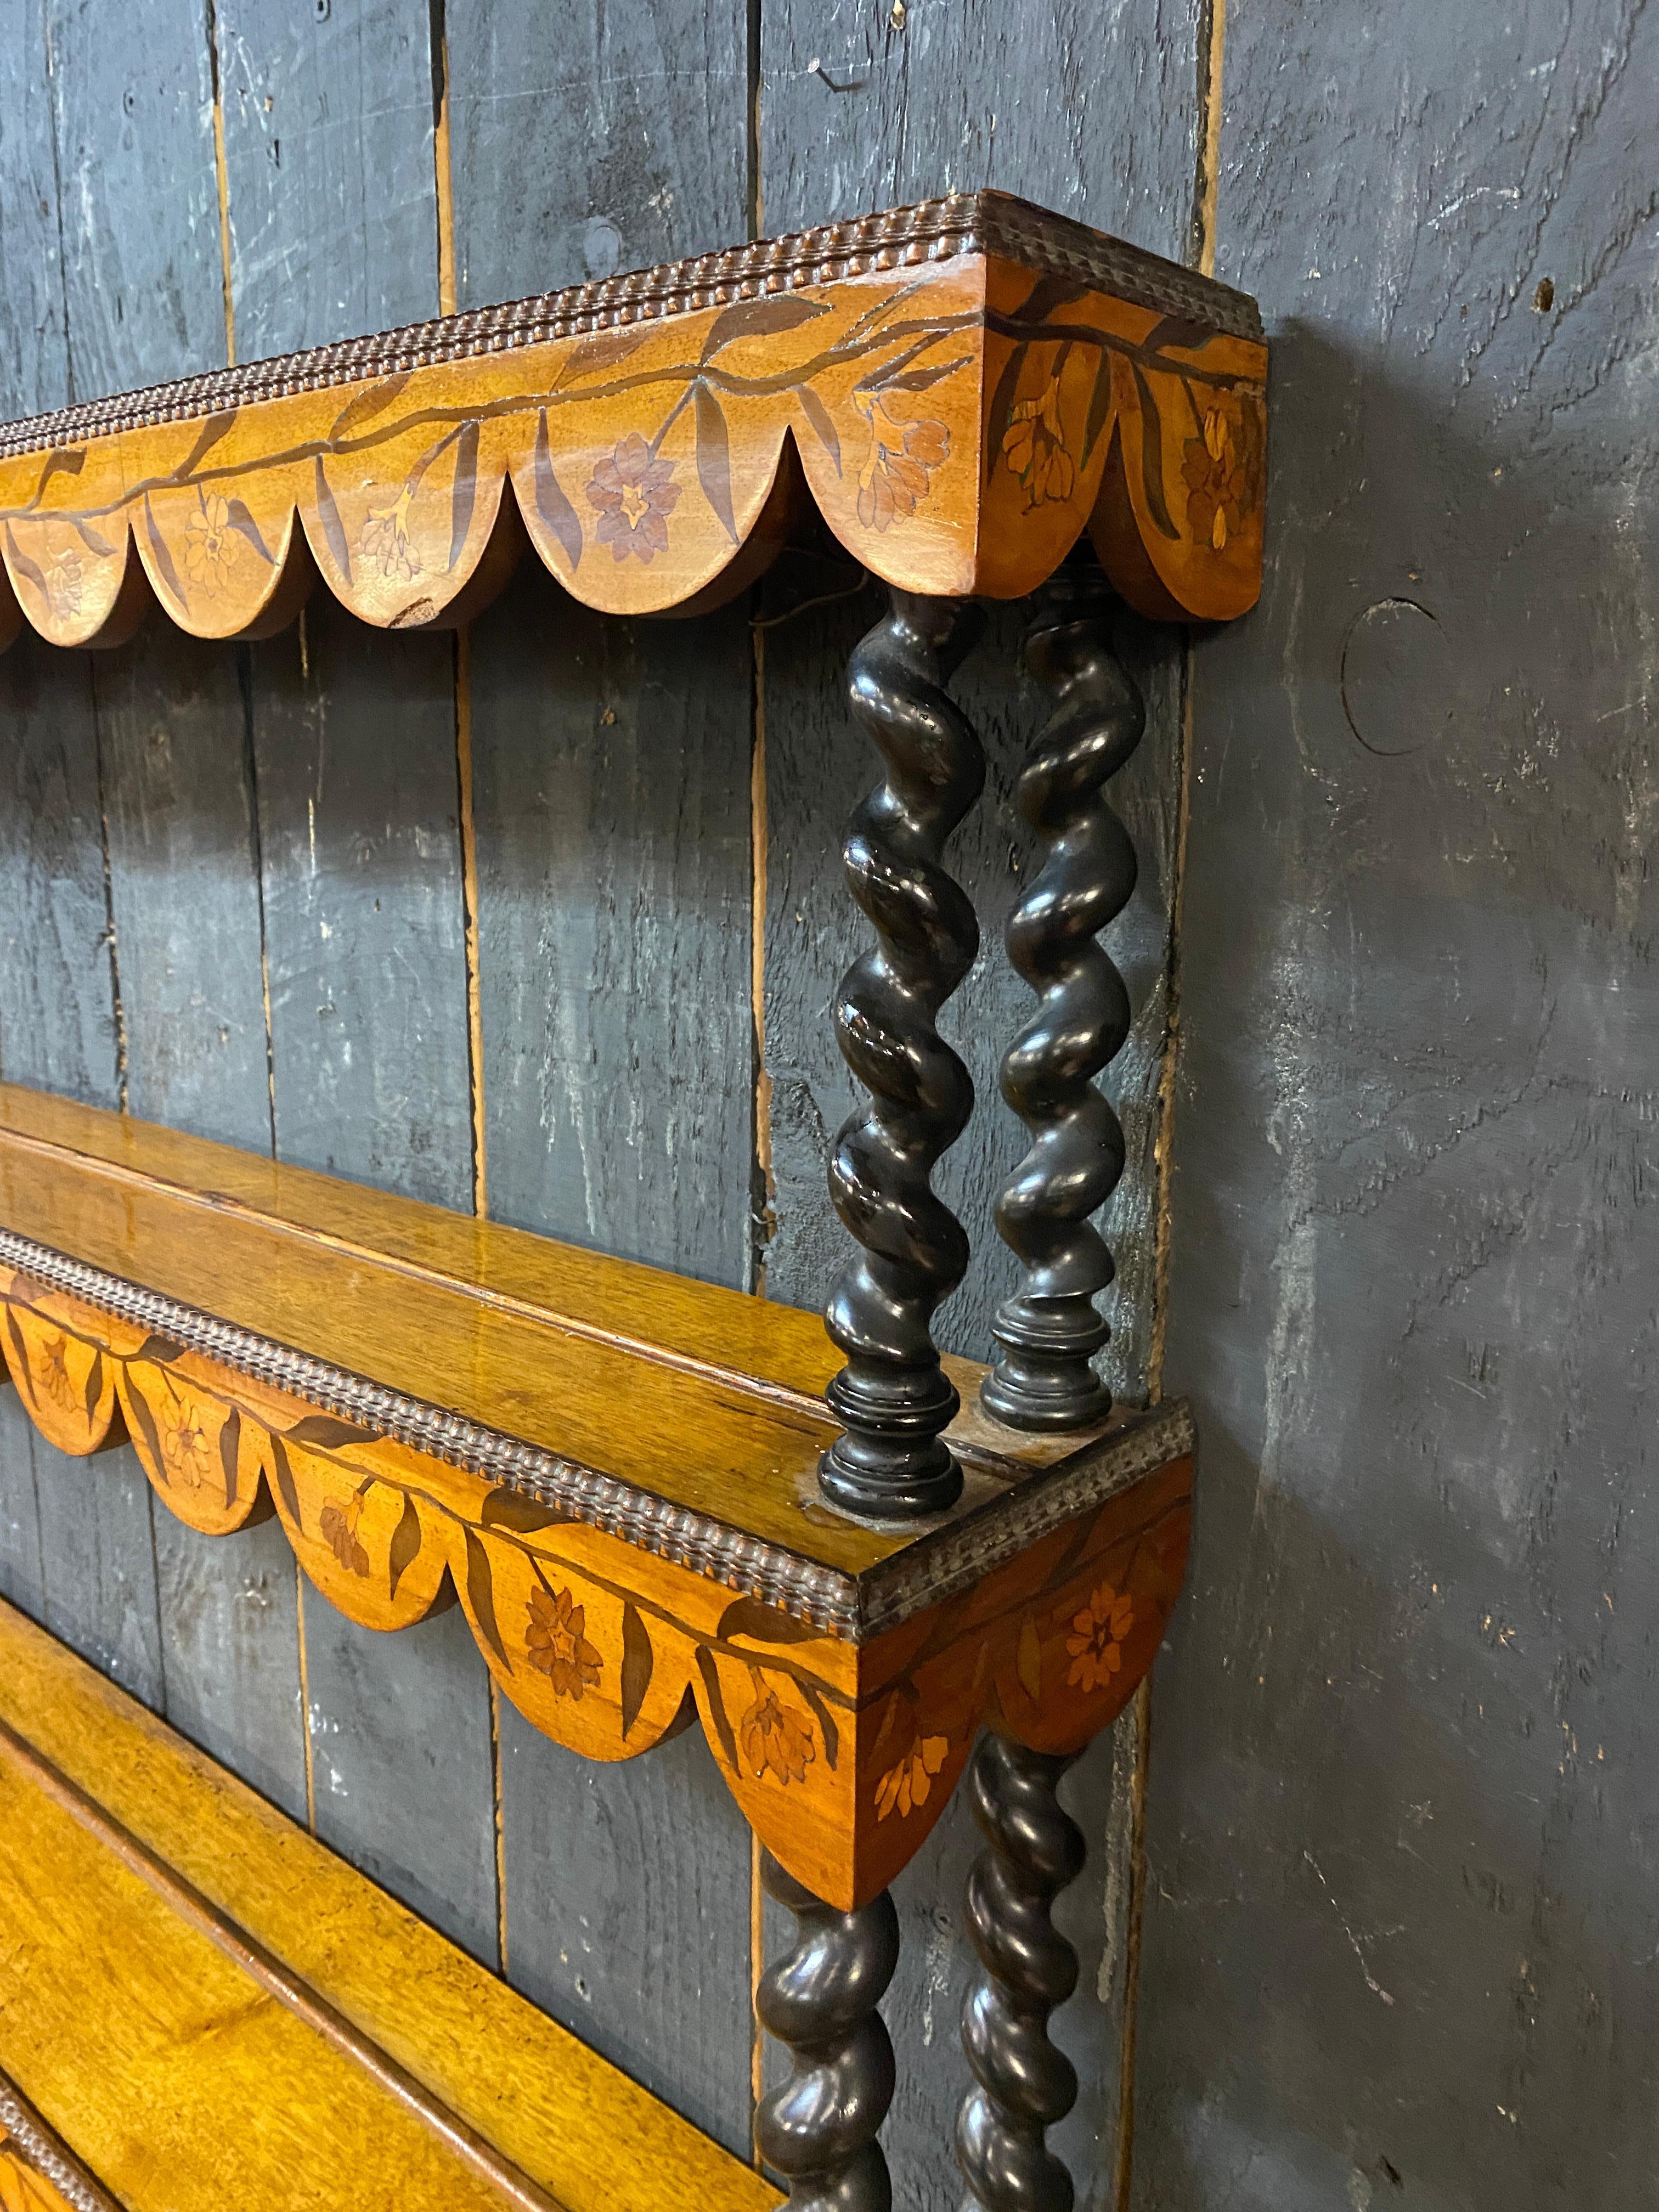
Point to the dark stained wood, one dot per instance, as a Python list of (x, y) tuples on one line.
[(354, 744), (610, 768), (1402, 1782), (331, 184), (593, 137), (1115, 142)]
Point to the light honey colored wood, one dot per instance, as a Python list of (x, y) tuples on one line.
[(139, 2039), (962, 389), (839, 1727)]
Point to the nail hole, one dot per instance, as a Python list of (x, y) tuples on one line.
[(1544, 298)]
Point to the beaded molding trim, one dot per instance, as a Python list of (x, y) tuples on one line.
[(932, 230), (50, 2158), (946, 1559)]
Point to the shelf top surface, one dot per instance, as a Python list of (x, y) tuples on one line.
[(576, 1369), (961, 387)]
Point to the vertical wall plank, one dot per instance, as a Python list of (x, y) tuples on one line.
[(593, 137), (133, 97), (364, 927), (328, 159), (34, 339), (184, 889), (1402, 1901), (950, 102), (612, 776), (334, 221)]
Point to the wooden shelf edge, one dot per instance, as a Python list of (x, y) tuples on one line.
[(962, 388), (37, 2152), (576, 2132)]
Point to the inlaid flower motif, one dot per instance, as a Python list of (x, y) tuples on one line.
[(777, 1739), (635, 494), (185, 1447), (1221, 469), (1096, 1643), (64, 580), (384, 539), (339, 1527), (555, 1645), (211, 546), (900, 470), (55, 1378), (910, 1781), (1034, 447)]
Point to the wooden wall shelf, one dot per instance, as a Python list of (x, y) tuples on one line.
[(437, 1408), (962, 387), (864, 1568)]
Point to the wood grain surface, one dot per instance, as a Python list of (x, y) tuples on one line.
[(126, 1851)]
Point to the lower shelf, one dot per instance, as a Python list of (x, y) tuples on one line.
[(211, 2009)]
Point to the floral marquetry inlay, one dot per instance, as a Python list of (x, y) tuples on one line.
[(840, 1754), (963, 389)]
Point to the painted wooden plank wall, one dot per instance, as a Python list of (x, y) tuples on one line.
[(477, 921)]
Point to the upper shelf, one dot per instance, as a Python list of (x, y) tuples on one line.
[(962, 387)]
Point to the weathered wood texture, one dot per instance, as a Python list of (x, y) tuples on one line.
[(1400, 1899), (1100, 121), (329, 114), (611, 777)]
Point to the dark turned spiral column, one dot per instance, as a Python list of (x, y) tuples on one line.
[(1048, 1331), (1024, 2083), (892, 1395), (820, 2128)]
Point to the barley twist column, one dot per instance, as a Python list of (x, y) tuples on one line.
[(820, 2128), (1024, 2083), (1047, 1332), (892, 1395)]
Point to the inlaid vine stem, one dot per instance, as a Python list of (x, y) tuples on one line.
[(1022, 2083), (818, 2130), (1048, 1332), (892, 1395)]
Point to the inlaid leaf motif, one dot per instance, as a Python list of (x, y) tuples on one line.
[(464, 495), (1029, 1663), (763, 1624), (754, 319), (711, 1683), (818, 416), (152, 1442), (1177, 331), (284, 1472), (24, 1379), (551, 505), (333, 529), (1002, 404), (714, 458), (639, 1660), (163, 559), (603, 351), (30, 571), (1151, 458), (94, 540), (241, 517), (230, 1437), (367, 405), (919, 379), (211, 431), (95, 1389), (406, 1544), (504, 1508), (1100, 406), (481, 1595), (324, 1433), (825, 1719), (159, 1351), (61, 460)]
